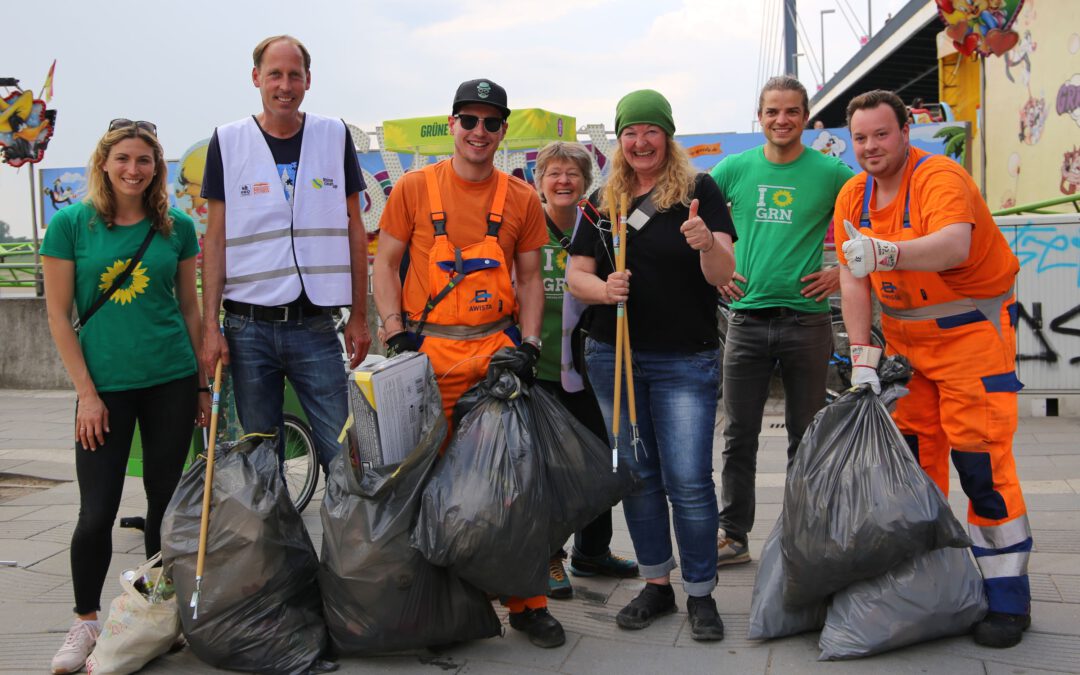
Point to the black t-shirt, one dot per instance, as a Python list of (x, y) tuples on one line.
[(672, 308), (286, 152)]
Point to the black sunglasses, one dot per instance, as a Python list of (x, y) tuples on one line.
[(491, 124), (122, 123)]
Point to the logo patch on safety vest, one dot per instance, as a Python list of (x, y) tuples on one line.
[(245, 190)]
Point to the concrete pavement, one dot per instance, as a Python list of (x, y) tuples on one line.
[(36, 596)]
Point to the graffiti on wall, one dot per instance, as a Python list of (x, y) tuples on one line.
[(1048, 320)]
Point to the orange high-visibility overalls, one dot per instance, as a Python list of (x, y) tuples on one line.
[(471, 308), (963, 398), (472, 316)]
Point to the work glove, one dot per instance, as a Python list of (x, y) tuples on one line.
[(864, 362), (522, 362), (865, 254), (400, 343)]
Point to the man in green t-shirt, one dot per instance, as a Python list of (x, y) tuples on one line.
[(782, 196)]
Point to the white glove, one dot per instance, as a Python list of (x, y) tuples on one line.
[(864, 362), (865, 254)]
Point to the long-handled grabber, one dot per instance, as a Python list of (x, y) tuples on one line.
[(204, 524), (635, 436), (620, 327)]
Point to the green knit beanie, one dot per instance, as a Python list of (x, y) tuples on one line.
[(644, 106)]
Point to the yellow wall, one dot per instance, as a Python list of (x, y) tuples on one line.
[(1033, 109)]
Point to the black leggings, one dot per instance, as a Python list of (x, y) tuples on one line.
[(165, 414)]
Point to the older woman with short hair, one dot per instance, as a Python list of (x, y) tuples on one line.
[(563, 173), (679, 250)]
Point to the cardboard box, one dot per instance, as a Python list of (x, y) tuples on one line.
[(386, 400)]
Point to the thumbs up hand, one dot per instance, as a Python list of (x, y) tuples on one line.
[(865, 254), (698, 235)]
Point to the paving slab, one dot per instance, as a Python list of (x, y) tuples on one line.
[(598, 657)]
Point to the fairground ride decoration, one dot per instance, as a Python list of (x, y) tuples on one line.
[(26, 125)]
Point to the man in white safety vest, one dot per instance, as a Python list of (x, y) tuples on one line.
[(284, 246)]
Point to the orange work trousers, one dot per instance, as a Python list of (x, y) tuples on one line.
[(963, 403)]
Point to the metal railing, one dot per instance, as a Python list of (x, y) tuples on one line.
[(1040, 207), (18, 268)]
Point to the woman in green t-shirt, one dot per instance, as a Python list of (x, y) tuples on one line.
[(133, 359)]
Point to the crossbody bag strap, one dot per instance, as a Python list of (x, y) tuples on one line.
[(118, 281)]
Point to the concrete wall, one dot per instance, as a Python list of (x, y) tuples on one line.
[(28, 358)]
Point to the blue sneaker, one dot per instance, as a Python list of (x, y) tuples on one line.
[(559, 587), (607, 565)]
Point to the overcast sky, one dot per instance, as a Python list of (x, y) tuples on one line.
[(186, 65)]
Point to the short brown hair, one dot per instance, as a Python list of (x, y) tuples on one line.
[(784, 83), (873, 99), (260, 48)]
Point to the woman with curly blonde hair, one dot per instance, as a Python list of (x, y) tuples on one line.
[(678, 250), (133, 359)]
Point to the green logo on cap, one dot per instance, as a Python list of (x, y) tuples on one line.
[(483, 90)]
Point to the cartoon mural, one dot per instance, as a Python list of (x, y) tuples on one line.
[(1032, 111), (382, 168), (187, 190), (1070, 172)]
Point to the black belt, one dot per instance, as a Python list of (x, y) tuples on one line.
[(769, 312), (294, 310)]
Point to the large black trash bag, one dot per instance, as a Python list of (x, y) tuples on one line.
[(259, 607), (856, 502), (769, 617), (484, 512), (934, 595), (579, 480), (379, 594)]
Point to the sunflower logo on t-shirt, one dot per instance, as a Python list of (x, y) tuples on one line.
[(136, 284)]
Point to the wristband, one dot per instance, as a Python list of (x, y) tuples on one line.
[(204, 390)]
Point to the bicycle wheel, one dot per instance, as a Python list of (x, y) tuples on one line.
[(839, 377), (301, 462)]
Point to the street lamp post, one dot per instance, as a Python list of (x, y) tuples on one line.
[(823, 13)]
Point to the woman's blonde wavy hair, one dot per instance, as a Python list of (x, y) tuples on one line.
[(675, 186), (99, 190)]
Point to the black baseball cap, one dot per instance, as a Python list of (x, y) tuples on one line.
[(481, 91)]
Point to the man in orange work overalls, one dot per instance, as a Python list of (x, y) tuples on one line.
[(914, 228), (466, 226)]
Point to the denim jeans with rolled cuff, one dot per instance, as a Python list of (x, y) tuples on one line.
[(676, 412), (305, 350), (801, 344)]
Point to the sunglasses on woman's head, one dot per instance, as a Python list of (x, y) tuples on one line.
[(468, 122), (122, 123)]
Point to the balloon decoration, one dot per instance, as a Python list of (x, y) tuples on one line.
[(983, 26)]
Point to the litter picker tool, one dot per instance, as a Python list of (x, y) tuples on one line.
[(208, 485)]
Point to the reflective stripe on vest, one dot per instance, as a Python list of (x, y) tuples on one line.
[(273, 249)]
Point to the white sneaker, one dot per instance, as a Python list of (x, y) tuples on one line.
[(77, 646)]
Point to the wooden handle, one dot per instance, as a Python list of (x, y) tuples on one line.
[(208, 483)]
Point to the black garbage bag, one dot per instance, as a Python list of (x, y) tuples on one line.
[(579, 480), (934, 595), (379, 593), (259, 608), (856, 502), (484, 513), (769, 617)]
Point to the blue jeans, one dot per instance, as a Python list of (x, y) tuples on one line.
[(305, 350), (801, 344), (676, 412)]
